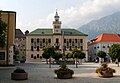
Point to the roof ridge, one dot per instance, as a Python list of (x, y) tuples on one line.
[(102, 37), (117, 36)]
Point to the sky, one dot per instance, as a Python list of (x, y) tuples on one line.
[(33, 14)]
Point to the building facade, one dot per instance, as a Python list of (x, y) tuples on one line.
[(6, 53), (101, 43), (62, 39), (20, 44)]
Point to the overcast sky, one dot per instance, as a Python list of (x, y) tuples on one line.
[(33, 14)]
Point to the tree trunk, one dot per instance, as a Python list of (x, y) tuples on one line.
[(50, 62), (47, 61), (76, 63), (118, 62), (80, 61)]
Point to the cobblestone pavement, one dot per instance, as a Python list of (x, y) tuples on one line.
[(41, 73)]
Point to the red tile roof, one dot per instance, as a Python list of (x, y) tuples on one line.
[(107, 38)]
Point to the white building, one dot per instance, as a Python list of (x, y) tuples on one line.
[(67, 39), (101, 43)]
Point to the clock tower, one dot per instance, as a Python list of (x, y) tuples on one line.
[(56, 24)]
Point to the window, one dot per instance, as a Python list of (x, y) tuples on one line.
[(75, 40), (40, 57), (43, 40), (37, 40), (34, 57), (57, 47), (70, 40), (37, 55), (57, 26), (32, 40), (75, 46), (42, 32), (103, 46), (37, 48), (64, 40), (49, 40), (2, 55), (81, 47), (31, 55), (31, 48), (81, 40), (57, 40), (94, 47)]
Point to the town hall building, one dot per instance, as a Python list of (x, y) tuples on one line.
[(63, 39)]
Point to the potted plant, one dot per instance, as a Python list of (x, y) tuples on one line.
[(105, 71), (19, 74), (64, 72)]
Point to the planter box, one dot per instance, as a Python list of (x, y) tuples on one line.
[(19, 76), (66, 76), (105, 74)]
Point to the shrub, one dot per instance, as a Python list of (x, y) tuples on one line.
[(19, 70), (104, 67), (63, 70)]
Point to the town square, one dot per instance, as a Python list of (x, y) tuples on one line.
[(66, 41)]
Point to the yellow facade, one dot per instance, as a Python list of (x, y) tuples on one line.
[(9, 17)]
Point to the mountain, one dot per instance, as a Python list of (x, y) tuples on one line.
[(107, 24)]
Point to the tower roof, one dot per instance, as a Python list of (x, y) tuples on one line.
[(56, 13)]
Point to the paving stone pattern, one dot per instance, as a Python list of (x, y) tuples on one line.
[(41, 73)]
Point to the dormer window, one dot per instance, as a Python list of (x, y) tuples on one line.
[(42, 32), (70, 33)]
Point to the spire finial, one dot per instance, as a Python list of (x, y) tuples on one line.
[(56, 12)]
